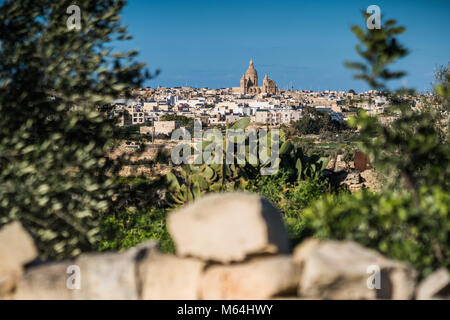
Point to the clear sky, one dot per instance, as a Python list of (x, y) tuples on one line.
[(300, 43)]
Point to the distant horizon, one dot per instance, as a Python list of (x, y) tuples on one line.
[(299, 44)]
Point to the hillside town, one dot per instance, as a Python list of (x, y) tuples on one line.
[(266, 105)]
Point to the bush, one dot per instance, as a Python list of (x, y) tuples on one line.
[(318, 122), (389, 222), (348, 154), (408, 220), (308, 146)]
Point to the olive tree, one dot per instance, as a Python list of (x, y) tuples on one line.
[(55, 85)]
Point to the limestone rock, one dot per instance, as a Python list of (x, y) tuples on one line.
[(228, 227), (46, 282), (353, 178), (111, 276), (16, 249), (164, 276), (344, 270), (435, 286), (371, 181), (355, 187), (303, 250), (259, 278)]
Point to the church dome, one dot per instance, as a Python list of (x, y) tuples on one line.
[(251, 71)]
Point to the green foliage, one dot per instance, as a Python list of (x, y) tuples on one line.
[(379, 48), (408, 220), (300, 165), (128, 228), (194, 181), (389, 222), (349, 154), (130, 133), (162, 157), (241, 124), (191, 183), (187, 122), (412, 148), (442, 88), (316, 122), (139, 193), (55, 85)]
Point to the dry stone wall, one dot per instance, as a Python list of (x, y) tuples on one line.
[(229, 246)]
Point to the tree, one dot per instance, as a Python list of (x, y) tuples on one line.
[(412, 148), (315, 122), (441, 88), (379, 48), (407, 220), (55, 86)]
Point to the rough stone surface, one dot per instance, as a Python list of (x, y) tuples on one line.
[(111, 276), (303, 250), (46, 282), (435, 286), (339, 270), (353, 178), (228, 227), (165, 276), (259, 278), (231, 246), (371, 181), (16, 249)]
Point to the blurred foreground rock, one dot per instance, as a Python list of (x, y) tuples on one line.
[(259, 278), (228, 227), (343, 269), (46, 282), (435, 286), (108, 276), (168, 277), (229, 246), (16, 249)]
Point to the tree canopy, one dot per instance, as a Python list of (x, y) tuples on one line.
[(55, 86)]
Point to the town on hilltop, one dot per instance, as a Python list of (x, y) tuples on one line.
[(265, 105)]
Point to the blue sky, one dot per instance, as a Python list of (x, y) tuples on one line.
[(298, 43)]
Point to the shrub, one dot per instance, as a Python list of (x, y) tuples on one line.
[(408, 220), (389, 222)]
